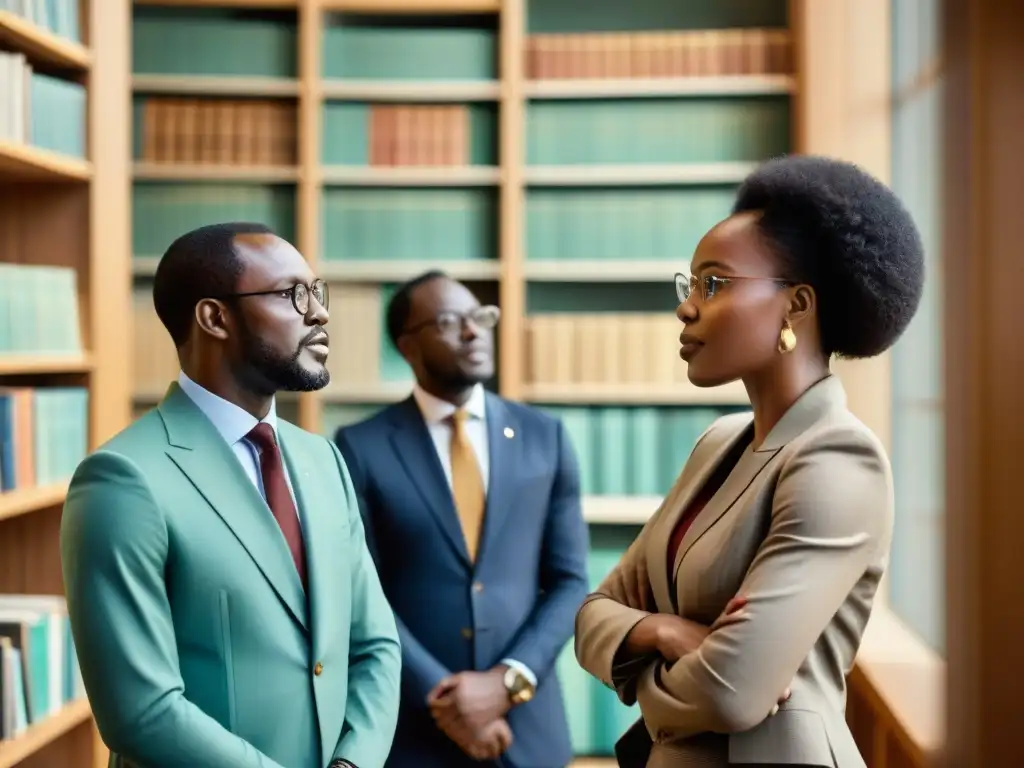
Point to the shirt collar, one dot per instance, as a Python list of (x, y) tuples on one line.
[(233, 423), (436, 410)]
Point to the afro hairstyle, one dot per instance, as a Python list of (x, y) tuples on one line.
[(838, 229)]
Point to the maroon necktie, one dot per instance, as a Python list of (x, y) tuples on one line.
[(278, 496)]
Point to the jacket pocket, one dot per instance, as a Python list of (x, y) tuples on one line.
[(229, 666), (789, 737)]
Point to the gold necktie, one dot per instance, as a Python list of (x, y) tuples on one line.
[(467, 483)]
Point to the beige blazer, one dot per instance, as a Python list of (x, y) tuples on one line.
[(802, 528)]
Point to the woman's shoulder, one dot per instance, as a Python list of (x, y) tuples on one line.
[(843, 436), (840, 466)]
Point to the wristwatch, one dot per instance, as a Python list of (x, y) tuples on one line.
[(520, 689), (339, 763)]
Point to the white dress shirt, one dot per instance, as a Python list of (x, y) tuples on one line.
[(233, 424), (436, 413)]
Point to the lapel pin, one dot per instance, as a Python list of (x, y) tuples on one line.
[(509, 433)]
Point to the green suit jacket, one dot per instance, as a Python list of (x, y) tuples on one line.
[(196, 641)]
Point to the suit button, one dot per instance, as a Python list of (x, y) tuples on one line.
[(478, 587), (467, 633), (318, 668)]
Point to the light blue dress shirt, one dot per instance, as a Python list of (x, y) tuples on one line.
[(233, 424)]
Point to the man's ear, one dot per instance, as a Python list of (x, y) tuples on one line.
[(212, 318)]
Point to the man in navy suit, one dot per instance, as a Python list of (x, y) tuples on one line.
[(471, 505)]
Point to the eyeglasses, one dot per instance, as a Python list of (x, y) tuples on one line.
[(299, 294), (710, 284), (451, 323)]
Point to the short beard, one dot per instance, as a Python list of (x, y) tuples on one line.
[(265, 372)]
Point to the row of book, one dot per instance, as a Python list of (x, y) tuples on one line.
[(357, 133), (222, 43), (419, 135), (40, 110), (44, 434), (657, 131), (689, 53), (403, 51), (558, 133), (375, 224), (163, 211), (219, 131), (213, 41), (60, 17), (633, 450), (449, 223), (655, 223), (39, 310), (39, 673), (604, 348)]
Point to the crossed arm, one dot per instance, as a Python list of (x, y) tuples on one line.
[(830, 516)]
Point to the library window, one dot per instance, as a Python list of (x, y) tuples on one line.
[(917, 572)]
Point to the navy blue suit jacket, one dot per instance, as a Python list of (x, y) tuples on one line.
[(518, 600)]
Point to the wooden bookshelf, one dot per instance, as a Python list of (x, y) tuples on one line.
[(59, 208), (818, 115)]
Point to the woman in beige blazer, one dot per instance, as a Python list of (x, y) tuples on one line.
[(736, 614)]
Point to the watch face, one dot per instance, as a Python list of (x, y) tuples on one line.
[(518, 686)]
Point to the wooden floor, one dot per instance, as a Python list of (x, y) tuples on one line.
[(594, 762)]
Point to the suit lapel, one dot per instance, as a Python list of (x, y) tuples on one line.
[(707, 457), (503, 446), (212, 467), (416, 452), (319, 535), (739, 479), (811, 407)]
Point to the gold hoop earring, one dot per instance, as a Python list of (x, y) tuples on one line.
[(787, 338)]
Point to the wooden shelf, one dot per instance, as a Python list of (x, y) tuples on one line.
[(639, 174), (24, 163), (41, 46), (355, 271), (214, 85), (432, 7), (183, 172), (35, 365), (603, 271), (28, 500), (642, 88), (412, 91), (253, 4), (398, 271), (455, 176), (38, 736), (620, 510), (678, 393)]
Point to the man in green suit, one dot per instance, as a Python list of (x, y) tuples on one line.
[(224, 606)]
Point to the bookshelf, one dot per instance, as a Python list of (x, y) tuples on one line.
[(64, 287), (563, 164)]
